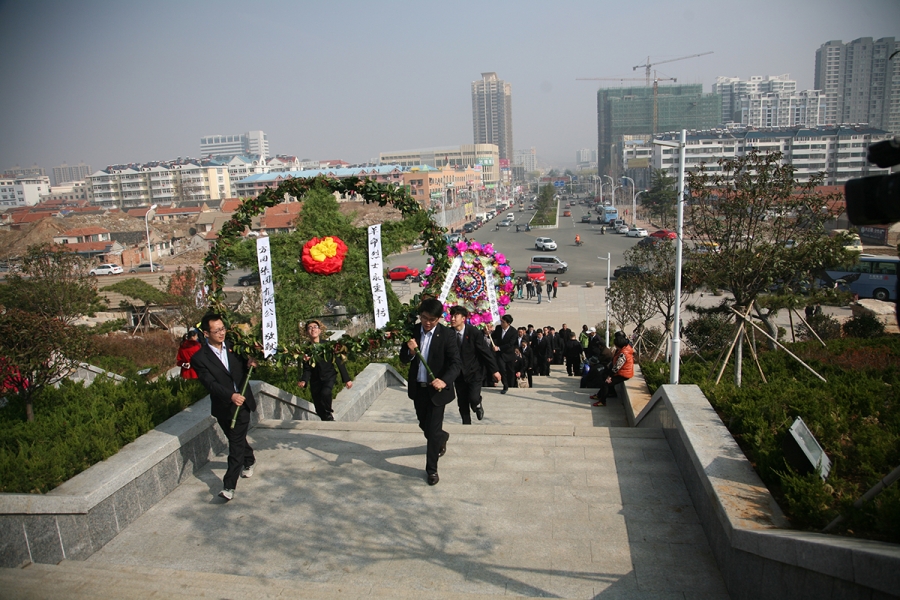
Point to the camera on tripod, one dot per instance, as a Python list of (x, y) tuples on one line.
[(875, 200)]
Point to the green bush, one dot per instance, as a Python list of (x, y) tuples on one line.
[(79, 426), (826, 326), (855, 416), (709, 331), (863, 325)]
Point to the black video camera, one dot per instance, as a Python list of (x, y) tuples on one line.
[(876, 200)]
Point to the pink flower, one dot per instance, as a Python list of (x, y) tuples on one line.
[(502, 311), (500, 258), (462, 247), (504, 270), (475, 319), (503, 301), (428, 270), (488, 248), (476, 246)]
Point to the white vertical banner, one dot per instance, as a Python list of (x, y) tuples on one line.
[(448, 280), (376, 278), (492, 294), (267, 295)]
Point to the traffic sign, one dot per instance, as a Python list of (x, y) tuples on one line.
[(559, 184)]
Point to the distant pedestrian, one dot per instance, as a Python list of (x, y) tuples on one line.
[(555, 286), (538, 288), (529, 289)]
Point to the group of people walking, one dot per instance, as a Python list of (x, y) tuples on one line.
[(446, 362), (528, 289)]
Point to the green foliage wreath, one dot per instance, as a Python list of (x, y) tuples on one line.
[(216, 266)]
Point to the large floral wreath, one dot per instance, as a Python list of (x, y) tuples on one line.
[(470, 286)]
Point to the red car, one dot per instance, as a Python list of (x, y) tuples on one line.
[(403, 273), (535, 273), (664, 234)]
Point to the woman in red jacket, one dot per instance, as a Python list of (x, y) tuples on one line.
[(189, 346), (622, 368)]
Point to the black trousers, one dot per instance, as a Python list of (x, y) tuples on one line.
[(431, 421), (543, 366), (468, 396), (508, 373), (573, 366), (240, 454), (321, 395), (603, 392)]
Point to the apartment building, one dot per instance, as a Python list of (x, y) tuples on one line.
[(485, 156), (65, 173), (251, 187), (250, 143), (492, 113), (839, 152), (23, 190), (132, 186)]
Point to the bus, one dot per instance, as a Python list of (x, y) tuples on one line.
[(610, 214), (870, 277)]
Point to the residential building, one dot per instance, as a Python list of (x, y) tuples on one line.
[(71, 190), (132, 186), (860, 83), (484, 156), (17, 171), (252, 142), (732, 89), (251, 187), (430, 185), (527, 159), (838, 152), (585, 159), (637, 110), (782, 109), (492, 113), (65, 173), (24, 190)]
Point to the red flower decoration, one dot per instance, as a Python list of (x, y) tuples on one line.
[(324, 256)]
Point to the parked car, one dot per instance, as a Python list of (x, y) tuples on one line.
[(638, 232), (585, 218), (544, 243), (146, 268), (452, 238), (107, 269), (535, 273), (249, 279), (469, 227), (622, 228), (651, 241), (664, 234), (403, 273)]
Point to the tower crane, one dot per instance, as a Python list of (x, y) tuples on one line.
[(656, 81), (649, 64)]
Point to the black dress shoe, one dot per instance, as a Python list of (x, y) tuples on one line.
[(503, 391), (442, 451), (479, 412), (433, 479)]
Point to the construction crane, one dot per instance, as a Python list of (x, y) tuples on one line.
[(660, 62), (656, 81)]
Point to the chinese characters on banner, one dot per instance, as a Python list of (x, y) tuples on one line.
[(448, 280), (492, 294), (376, 278), (267, 295)]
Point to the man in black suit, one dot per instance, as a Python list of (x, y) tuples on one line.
[(541, 350), (477, 359), (505, 343), (431, 392), (222, 373)]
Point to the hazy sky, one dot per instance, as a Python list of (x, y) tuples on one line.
[(130, 81)]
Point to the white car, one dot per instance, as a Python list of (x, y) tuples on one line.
[(107, 269), (621, 228), (638, 232), (544, 243)]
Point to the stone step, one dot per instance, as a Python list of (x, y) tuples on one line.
[(74, 580)]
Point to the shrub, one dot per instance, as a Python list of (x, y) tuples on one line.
[(709, 332), (826, 326), (80, 426), (126, 354), (863, 325)]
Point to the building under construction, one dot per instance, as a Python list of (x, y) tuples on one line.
[(639, 111)]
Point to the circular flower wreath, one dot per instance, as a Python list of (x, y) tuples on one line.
[(470, 286), (324, 256)]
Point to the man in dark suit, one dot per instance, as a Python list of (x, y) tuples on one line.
[(222, 373), (505, 342), (477, 359), (431, 392), (541, 353)]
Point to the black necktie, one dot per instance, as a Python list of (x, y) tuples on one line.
[(459, 338)]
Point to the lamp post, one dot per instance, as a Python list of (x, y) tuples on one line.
[(612, 184), (147, 216), (634, 207), (608, 260), (675, 364), (632, 198)]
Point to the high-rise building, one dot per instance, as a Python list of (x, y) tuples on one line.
[(860, 83), (492, 113), (482, 157), (64, 173), (527, 159), (250, 143), (585, 159), (634, 110), (732, 89)]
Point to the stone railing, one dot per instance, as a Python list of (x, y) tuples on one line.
[(80, 516)]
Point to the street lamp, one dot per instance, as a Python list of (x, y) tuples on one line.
[(632, 197), (608, 267), (634, 206), (612, 184), (675, 364), (147, 216)]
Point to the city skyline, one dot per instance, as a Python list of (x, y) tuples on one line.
[(106, 82)]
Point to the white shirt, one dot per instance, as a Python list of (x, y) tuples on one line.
[(422, 376)]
